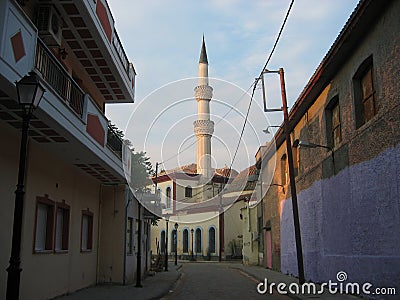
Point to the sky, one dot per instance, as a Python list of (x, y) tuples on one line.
[(163, 41)]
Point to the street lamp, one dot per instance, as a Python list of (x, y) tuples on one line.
[(305, 144), (30, 91), (299, 143), (277, 184), (191, 231), (266, 131), (176, 243), (166, 243)]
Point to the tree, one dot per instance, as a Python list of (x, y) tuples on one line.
[(142, 170)]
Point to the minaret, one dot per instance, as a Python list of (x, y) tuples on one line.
[(203, 126)]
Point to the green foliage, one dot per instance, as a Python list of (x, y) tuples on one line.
[(117, 131), (142, 169)]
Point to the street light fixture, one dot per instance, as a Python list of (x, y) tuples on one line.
[(166, 243), (281, 185), (305, 144), (176, 243), (30, 91), (299, 143), (266, 131)]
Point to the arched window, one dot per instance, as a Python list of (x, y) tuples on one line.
[(173, 241), (198, 241), (185, 240), (211, 240), (168, 193), (188, 191), (162, 242)]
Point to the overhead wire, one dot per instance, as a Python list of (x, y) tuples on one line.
[(254, 85), (257, 80)]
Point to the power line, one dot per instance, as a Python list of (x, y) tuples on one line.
[(230, 109), (256, 81), (252, 94)]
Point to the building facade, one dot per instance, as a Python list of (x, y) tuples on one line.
[(344, 129), (77, 202)]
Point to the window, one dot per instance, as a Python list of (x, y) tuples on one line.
[(87, 231), (173, 241), (333, 125), (62, 227), (188, 192), (185, 240), (44, 224), (168, 192), (129, 236), (162, 241), (211, 240), (198, 240), (284, 171), (364, 93)]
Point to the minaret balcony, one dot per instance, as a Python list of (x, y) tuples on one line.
[(203, 127), (203, 92)]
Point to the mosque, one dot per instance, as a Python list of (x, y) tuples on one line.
[(201, 205)]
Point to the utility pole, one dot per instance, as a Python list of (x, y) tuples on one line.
[(295, 208)]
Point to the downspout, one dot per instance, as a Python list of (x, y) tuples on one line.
[(98, 234), (126, 223)]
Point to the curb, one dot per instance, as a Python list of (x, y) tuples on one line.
[(165, 293), (294, 297)]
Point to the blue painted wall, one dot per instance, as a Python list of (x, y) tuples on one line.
[(349, 222)]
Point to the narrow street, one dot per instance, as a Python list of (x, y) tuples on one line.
[(216, 281)]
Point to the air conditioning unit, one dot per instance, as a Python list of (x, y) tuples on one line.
[(49, 24), (254, 236)]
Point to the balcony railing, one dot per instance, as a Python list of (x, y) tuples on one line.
[(114, 142), (56, 76)]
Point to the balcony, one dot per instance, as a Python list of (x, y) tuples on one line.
[(114, 142), (56, 76), (69, 91), (151, 203), (68, 120)]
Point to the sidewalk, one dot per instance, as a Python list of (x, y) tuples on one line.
[(154, 287), (259, 274)]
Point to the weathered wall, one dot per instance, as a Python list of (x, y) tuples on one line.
[(354, 228), (47, 174), (349, 211)]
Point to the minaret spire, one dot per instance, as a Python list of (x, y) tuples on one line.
[(203, 54), (203, 126)]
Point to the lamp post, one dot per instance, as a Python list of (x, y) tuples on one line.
[(191, 231), (166, 243), (30, 91), (176, 243)]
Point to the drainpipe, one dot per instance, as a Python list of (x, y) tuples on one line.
[(126, 222), (98, 233), (139, 253)]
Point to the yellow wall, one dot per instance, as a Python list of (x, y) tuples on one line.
[(250, 245), (46, 174)]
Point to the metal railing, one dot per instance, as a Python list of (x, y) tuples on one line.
[(114, 142), (56, 76)]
